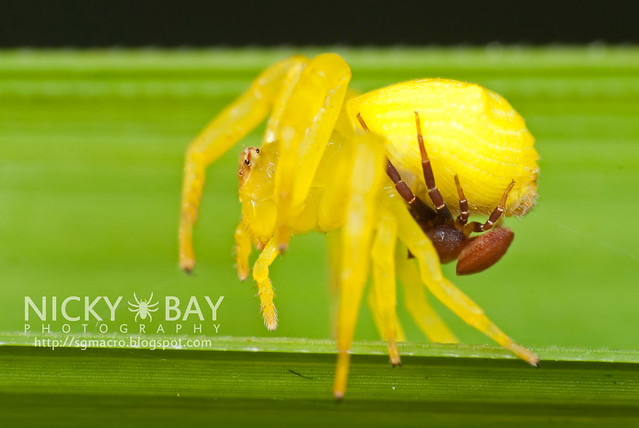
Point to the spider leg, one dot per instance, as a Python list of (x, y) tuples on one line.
[(282, 100), (416, 301), (420, 211), (462, 219), (334, 171), (384, 285), (242, 250), (264, 286), (218, 136), (334, 258), (433, 192), (382, 298), (478, 227), (400, 336), (357, 234), (423, 214), (304, 129), (426, 255), (136, 298)]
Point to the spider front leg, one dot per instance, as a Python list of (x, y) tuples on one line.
[(433, 192), (226, 129), (304, 129), (420, 211), (495, 215), (462, 219)]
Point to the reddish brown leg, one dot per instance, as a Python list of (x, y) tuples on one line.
[(478, 227), (420, 211), (433, 192), (463, 204)]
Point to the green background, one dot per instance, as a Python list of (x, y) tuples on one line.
[(91, 152)]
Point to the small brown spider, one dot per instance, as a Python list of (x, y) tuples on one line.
[(451, 237)]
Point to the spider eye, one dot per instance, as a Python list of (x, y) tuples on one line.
[(247, 162), (257, 150)]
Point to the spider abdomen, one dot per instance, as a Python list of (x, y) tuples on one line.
[(468, 130)]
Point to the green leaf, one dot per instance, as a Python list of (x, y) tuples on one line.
[(282, 381), (91, 152)]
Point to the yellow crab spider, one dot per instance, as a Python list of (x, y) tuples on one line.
[(385, 173)]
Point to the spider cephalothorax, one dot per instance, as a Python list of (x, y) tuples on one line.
[(325, 163)]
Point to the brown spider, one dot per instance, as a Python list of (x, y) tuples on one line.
[(451, 238)]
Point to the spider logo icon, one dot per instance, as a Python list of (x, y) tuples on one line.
[(143, 308)]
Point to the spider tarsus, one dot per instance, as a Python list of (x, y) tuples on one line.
[(270, 321), (339, 396), (271, 327), (187, 265), (534, 362), (242, 272)]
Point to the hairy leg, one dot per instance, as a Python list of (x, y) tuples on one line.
[(233, 123), (264, 286)]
